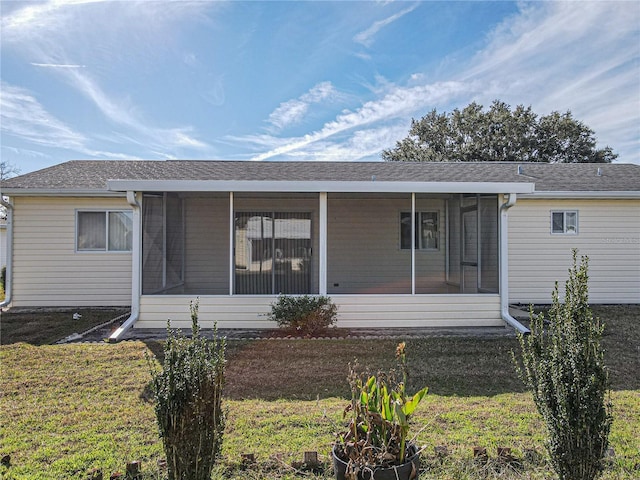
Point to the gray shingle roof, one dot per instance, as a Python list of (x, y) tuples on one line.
[(88, 175)]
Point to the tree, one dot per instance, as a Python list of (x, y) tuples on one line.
[(564, 368), (498, 135), (7, 170)]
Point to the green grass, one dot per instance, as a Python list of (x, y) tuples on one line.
[(66, 409)]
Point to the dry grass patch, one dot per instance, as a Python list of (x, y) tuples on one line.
[(47, 326)]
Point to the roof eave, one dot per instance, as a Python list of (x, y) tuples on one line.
[(318, 186)]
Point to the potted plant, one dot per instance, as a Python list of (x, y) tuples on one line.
[(376, 444)]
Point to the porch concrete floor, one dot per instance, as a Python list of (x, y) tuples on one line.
[(100, 334)]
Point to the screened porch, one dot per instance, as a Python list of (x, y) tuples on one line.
[(341, 244)]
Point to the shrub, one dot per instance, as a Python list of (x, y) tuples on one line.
[(3, 277), (188, 402), (564, 369), (304, 314)]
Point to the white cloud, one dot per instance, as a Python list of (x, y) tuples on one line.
[(180, 139), (288, 113), (399, 103), (25, 152), (125, 115), (319, 92), (66, 18), (24, 117), (293, 111), (38, 16), (551, 55), (367, 37), (56, 35), (56, 65), (555, 56)]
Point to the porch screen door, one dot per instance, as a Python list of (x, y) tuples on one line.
[(480, 245), (469, 263), (272, 253)]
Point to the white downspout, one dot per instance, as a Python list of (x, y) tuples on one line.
[(135, 270), (504, 265), (9, 272)]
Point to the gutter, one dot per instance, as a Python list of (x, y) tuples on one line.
[(63, 192), (583, 195), (504, 267), (135, 271), (9, 272)]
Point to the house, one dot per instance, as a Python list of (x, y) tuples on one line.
[(393, 244)]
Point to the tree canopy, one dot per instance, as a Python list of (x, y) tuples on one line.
[(499, 134)]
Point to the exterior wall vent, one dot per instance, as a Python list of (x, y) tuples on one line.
[(520, 170), (599, 171)]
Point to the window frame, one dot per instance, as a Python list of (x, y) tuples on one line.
[(418, 234), (106, 213), (565, 230)]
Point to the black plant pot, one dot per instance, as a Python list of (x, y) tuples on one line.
[(399, 472)]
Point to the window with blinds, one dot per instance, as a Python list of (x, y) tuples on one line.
[(104, 231)]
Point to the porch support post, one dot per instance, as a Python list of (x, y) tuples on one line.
[(231, 234), (479, 243), (413, 243), (322, 243)]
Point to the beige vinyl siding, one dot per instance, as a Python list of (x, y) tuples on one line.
[(364, 254), (353, 311), (419, 311), (363, 238), (430, 264), (47, 269), (207, 245), (608, 232)]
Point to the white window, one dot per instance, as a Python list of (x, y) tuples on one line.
[(104, 231), (427, 232), (564, 223)]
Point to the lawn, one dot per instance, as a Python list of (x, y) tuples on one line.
[(67, 409)]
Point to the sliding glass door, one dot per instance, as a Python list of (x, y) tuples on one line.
[(272, 253)]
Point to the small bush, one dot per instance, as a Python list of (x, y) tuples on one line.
[(3, 277), (564, 368), (305, 314), (188, 402)]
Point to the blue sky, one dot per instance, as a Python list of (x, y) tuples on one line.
[(309, 81)]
